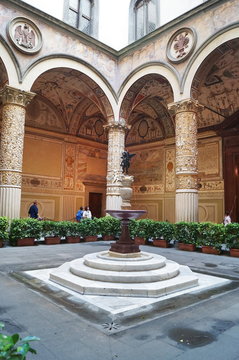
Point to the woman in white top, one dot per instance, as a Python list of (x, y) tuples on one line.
[(87, 213), (227, 219)]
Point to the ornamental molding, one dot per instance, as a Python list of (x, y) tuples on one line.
[(187, 105), (24, 35), (181, 44), (10, 95)]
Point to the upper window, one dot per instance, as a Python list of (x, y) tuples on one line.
[(145, 17), (80, 15)]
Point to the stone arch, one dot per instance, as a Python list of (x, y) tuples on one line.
[(9, 64), (49, 63), (201, 54)]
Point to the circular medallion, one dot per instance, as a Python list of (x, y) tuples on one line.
[(143, 128), (25, 35), (181, 45), (99, 129)]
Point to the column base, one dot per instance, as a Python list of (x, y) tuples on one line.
[(187, 205), (10, 202)]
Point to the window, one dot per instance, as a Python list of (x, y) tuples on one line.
[(145, 17), (80, 15)]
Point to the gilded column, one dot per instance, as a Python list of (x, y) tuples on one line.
[(116, 145), (14, 104), (186, 206)]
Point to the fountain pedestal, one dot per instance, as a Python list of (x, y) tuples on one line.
[(125, 245)]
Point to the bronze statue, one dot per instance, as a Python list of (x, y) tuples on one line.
[(125, 163)]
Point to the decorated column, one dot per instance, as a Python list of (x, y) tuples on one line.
[(186, 159), (116, 145), (13, 102)]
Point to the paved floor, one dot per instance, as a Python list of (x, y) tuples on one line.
[(207, 329)]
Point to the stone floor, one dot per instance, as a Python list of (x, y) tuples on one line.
[(204, 325)]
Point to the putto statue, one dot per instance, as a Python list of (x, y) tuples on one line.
[(125, 163)]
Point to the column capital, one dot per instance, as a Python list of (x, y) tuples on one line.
[(11, 95), (119, 124), (186, 105)]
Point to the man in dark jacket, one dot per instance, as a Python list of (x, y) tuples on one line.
[(33, 210)]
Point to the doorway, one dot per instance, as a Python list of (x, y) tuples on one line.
[(95, 204)]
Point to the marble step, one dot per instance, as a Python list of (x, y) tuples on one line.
[(104, 261), (168, 271)]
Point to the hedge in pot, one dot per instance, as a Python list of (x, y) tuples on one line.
[(211, 237), (13, 347), (70, 230), (23, 232), (3, 230), (162, 232), (90, 228), (52, 232), (141, 230), (186, 233), (109, 227), (232, 238)]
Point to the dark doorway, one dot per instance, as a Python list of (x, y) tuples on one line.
[(95, 204)]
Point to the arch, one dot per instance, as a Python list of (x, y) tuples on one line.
[(164, 70), (201, 54), (59, 61), (11, 64)]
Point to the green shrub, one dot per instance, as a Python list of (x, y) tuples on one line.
[(4, 223), (89, 227), (108, 225), (211, 234), (51, 228), (142, 228), (186, 232), (13, 347), (162, 229), (24, 228), (232, 235)]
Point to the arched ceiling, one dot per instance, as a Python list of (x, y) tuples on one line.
[(215, 85), (145, 109), (69, 102)]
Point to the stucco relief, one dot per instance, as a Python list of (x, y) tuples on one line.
[(209, 165), (149, 189), (187, 182), (147, 167), (69, 169), (10, 178), (44, 183), (212, 185), (170, 170)]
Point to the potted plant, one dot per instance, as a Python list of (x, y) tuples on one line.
[(211, 237), (90, 229), (163, 232), (186, 233), (3, 230), (109, 227), (52, 232), (232, 238), (141, 230), (24, 232), (70, 230)]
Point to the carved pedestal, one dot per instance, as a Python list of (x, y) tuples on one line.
[(126, 191)]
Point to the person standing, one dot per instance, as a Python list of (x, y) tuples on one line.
[(33, 211), (87, 213), (79, 214), (227, 219)]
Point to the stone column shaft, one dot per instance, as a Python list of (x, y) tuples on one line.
[(186, 159), (14, 103), (116, 145)]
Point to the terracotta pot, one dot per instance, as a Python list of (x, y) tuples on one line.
[(186, 247), (234, 252), (72, 239), (108, 237), (139, 240), (52, 240), (90, 238), (210, 250), (26, 242), (161, 243)]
